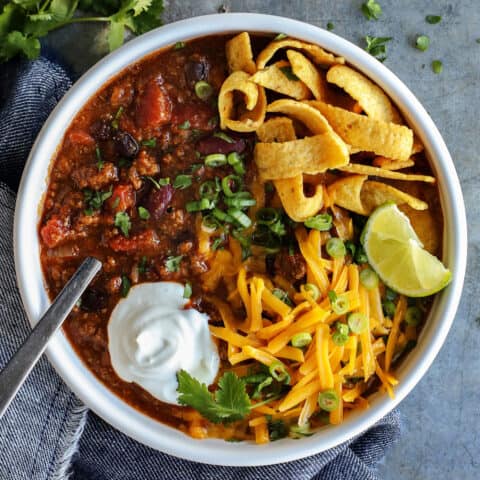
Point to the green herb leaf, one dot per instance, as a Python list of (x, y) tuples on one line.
[(152, 142), (371, 10), (125, 288), (15, 43), (437, 66), (433, 19), (185, 125), (280, 36), (95, 199), (422, 43), (161, 182), (117, 118), (115, 35), (143, 213), (376, 46), (122, 221), (287, 71), (230, 402), (179, 45), (330, 26), (187, 290), (277, 429), (98, 154), (142, 265), (173, 263), (182, 181)]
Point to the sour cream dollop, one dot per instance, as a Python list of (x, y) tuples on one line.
[(151, 336)]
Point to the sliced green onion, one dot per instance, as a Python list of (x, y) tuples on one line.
[(280, 36), (203, 90), (258, 389), (231, 181), (339, 339), (368, 278), (239, 217), (342, 328), (322, 222), (182, 181), (187, 290), (350, 246), (390, 294), (210, 223), (185, 125), (360, 255), (299, 431), (301, 339), (116, 119), (143, 213), (282, 295), (267, 216), (179, 45), (235, 160), (328, 400), (197, 206), (388, 308), (215, 160), (340, 305), (413, 316), (208, 190), (237, 202), (125, 287), (152, 142), (312, 290), (336, 248), (279, 372), (358, 322), (223, 136), (437, 66), (221, 215)]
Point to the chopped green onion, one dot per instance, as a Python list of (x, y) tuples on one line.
[(161, 182), (339, 339), (422, 42), (437, 66), (336, 248), (203, 90), (279, 372), (187, 290), (280, 36), (152, 142), (185, 125), (342, 328), (267, 216), (217, 243), (340, 304), (238, 202), (229, 182), (179, 45), (258, 389), (390, 294), (143, 213), (116, 118), (388, 308), (350, 246), (358, 322), (330, 26), (197, 206), (239, 217), (413, 316), (433, 19), (125, 287), (143, 265), (221, 215), (172, 263), (360, 255), (328, 400), (182, 181), (235, 160), (210, 223), (282, 295), (299, 431), (369, 278), (322, 222), (215, 160), (208, 190), (223, 136), (100, 161), (301, 339), (312, 290)]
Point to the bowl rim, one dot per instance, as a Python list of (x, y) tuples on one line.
[(96, 395)]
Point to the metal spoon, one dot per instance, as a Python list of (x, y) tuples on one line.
[(20, 365)]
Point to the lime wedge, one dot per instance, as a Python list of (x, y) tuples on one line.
[(397, 255)]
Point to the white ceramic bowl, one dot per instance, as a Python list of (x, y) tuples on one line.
[(95, 394)]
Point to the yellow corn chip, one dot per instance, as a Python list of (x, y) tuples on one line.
[(255, 103), (367, 134), (389, 164), (296, 204), (346, 193), (308, 155), (371, 98), (316, 53), (279, 78), (239, 54), (276, 129), (384, 173), (306, 71), (303, 112), (375, 194), (426, 226)]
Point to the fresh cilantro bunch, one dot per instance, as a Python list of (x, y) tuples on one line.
[(24, 22)]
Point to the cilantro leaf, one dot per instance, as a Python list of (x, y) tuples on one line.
[(371, 10), (172, 263), (122, 221), (433, 19), (230, 402), (16, 42), (376, 46)]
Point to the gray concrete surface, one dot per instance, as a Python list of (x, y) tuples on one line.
[(442, 415)]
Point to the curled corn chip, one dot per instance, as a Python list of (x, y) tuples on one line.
[(308, 155), (389, 164), (255, 103), (276, 129), (239, 54), (426, 226), (384, 173), (296, 204), (279, 78), (316, 53), (370, 97), (359, 195), (306, 71), (303, 112), (367, 134)]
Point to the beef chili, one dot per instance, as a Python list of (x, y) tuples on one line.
[(143, 172)]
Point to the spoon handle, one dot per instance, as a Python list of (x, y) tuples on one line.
[(20, 365)]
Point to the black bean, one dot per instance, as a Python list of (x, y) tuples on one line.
[(93, 300), (126, 145), (196, 69)]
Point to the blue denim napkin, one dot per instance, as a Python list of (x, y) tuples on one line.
[(47, 433)]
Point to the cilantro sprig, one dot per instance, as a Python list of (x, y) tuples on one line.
[(371, 10), (377, 47), (23, 23), (228, 404)]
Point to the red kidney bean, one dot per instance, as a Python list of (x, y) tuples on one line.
[(158, 200)]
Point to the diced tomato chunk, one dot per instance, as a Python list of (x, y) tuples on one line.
[(144, 242), (80, 137), (54, 231), (154, 107), (198, 114), (123, 197)]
